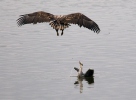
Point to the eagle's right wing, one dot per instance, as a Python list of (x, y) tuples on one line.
[(36, 17)]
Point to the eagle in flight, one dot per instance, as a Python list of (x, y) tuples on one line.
[(58, 22)]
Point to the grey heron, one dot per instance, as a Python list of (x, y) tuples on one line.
[(89, 72)]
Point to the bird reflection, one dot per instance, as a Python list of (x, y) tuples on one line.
[(88, 76), (89, 80)]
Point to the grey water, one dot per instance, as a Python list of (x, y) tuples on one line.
[(36, 64)]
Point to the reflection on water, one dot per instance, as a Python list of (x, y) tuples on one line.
[(79, 82)]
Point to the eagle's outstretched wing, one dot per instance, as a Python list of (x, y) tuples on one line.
[(81, 20), (36, 17)]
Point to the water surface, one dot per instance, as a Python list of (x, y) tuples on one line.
[(35, 64)]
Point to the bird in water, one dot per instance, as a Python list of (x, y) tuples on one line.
[(58, 22), (89, 72)]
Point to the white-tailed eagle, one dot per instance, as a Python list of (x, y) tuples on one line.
[(58, 22)]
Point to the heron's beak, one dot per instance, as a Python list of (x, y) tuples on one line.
[(80, 63)]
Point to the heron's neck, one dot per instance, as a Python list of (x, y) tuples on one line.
[(80, 70), (80, 67)]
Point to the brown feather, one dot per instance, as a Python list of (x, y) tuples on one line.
[(59, 22), (36, 17), (81, 20)]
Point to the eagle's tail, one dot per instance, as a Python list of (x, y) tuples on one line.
[(59, 26)]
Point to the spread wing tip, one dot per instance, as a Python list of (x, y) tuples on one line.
[(95, 28), (20, 21)]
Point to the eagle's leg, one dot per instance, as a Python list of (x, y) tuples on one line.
[(62, 32), (57, 32)]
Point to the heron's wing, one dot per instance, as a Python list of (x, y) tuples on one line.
[(81, 20), (36, 17), (76, 69), (89, 73)]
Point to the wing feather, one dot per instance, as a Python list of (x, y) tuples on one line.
[(81, 20), (36, 17)]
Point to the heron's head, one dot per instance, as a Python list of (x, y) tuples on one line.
[(80, 64)]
